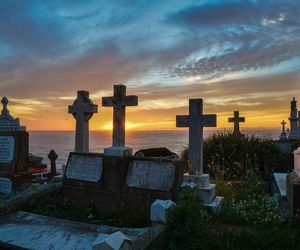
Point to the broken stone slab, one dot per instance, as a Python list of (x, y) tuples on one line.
[(278, 184), (160, 211), (115, 241), (118, 151), (216, 204)]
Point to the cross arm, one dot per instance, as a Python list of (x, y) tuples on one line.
[(107, 101), (131, 100), (182, 121), (208, 120)]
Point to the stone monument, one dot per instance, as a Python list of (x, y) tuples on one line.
[(293, 121), (195, 121), (119, 101), (293, 186), (82, 110), (283, 135), (14, 144), (236, 119)]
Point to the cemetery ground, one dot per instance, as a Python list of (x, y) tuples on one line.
[(251, 217)]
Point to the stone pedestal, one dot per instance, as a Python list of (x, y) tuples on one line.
[(118, 151), (293, 193), (206, 192)]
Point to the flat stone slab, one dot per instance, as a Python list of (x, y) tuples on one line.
[(85, 167), (151, 175), (32, 231), (280, 179)]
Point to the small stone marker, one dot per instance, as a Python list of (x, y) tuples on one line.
[(151, 175), (119, 102), (196, 120), (283, 135), (86, 167), (114, 241), (293, 135), (236, 119), (82, 110), (52, 157), (5, 185), (160, 211)]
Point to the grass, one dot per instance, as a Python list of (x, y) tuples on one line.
[(250, 219), (54, 206)]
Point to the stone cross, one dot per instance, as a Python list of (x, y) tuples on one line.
[(195, 121), (236, 120), (283, 125), (119, 101), (82, 110)]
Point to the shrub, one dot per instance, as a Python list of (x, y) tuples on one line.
[(233, 157)]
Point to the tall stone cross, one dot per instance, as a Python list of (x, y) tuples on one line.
[(236, 119), (82, 110), (119, 101), (195, 121)]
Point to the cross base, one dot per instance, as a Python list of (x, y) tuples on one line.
[(118, 151)]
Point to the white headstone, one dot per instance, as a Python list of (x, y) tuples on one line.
[(7, 149), (151, 175), (5, 185), (297, 161), (84, 167), (160, 210)]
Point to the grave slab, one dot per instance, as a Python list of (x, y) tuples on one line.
[(43, 232), (118, 151), (160, 211)]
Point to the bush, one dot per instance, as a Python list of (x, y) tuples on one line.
[(233, 157)]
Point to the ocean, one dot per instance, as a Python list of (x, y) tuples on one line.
[(41, 142)]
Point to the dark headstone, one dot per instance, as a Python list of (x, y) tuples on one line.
[(52, 157), (156, 152), (120, 182), (293, 193)]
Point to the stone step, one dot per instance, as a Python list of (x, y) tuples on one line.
[(207, 194), (216, 204), (198, 180)]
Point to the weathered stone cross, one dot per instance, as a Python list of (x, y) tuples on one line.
[(283, 125), (119, 101), (196, 120), (82, 110), (236, 120)]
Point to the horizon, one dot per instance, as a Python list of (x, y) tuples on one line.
[(235, 55)]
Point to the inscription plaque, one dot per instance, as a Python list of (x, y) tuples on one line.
[(84, 167), (5, 185), (7, 148), (151, 175), (297, 161)]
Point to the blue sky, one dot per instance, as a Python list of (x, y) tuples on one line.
[(236, 55)]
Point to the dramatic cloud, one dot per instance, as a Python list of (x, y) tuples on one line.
[(233, 54)]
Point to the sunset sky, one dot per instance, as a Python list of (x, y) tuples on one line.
[(236, 55)]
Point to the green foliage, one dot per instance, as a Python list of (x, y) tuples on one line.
[(250, 219), (55, 207), (233, 157)]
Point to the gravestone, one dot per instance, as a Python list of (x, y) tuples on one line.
[(236, 119), (120, 182), (195, 121), (119, 101), (196, 179), (283, 135), (82, 110), (293, 186), (14, 144), (293, 135)]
